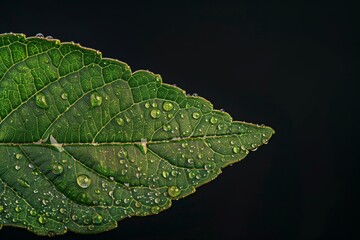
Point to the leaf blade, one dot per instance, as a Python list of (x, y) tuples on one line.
[(99, 143)]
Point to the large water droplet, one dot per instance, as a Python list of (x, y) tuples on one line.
[(174, 191), (83, 181), (155, 113), (168, 106), (39, 35), (95, 99), (40, 101), (57, 168)]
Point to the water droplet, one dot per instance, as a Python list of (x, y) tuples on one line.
[(155, 209), (23, 183), (95, 99), (236, 149), (209, 166), (83, 181), (192, 174), (39, 35), (154, 104), (220, 127), (174, 191), (167, 127), (122, 154), (18, 156), (33, 212), (2, 208), (57, 168), (147, 105), (173, 172), (40, 101), (214, 120), (190, 161), (97, 219), (243, 147), (91, 227), (168, 106), (200, 155), (196, 115), (165, 174), (42, 219), (62, 210), (64, 96), (155, 113), (120, 121), (17, 167), (126, 200), (18, 208)]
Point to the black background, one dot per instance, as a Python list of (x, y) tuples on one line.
[(293, 66)]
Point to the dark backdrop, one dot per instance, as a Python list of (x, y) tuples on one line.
[(293, 66)]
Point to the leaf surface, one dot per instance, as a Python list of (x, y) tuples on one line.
[(86, 142)]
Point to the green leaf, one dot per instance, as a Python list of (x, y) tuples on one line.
[(85, 142)]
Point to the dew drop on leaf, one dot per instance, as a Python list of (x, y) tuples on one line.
[(40, 100), (95, 99), (83, 181), (168, 106), (196, 115), (57, 168), (119, 121), (174, 191), (236, 149), (155, 113)]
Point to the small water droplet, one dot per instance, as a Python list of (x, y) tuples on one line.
[(17, 167), (155, 113), (62, 210), (40, 101), (83, 181), (168, 106), (97, 219), (120, 121), (214, 120), (154, 104), (209, 166), (196, 115), (18, 156), (167, 127), (64, 96), (95, 99), (192, 174), (18, 208), (39, 35), (33, 212), (200, 155), (155, 209), (23, 183), (57, 168), (42, 219), (122, 154), (236, 149), (165, 174), (174, 191), (147, 105)]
